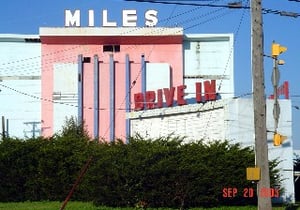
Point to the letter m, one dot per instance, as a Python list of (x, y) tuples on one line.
[(72, 19), (210, 90)]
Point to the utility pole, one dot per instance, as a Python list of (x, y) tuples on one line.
[(259, 105)]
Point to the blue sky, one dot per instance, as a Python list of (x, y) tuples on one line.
[(26, 16)]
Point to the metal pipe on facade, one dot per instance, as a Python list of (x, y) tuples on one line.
[(80, 89), (96, 97), (128, 95), (143, 70), (112, 97), (7, 128), (3, 127)]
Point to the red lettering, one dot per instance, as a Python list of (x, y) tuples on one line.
[(169, 96), (263, 192), (269, 192), (224, 193), (234, 192), (180, 95), (210, 90), (198, 92), (282, 90), (272, 192), (229, 192), (150, 98), (159, 98), (139, 101), (248, 193), (286, 89), (251, 193), (276, 193)]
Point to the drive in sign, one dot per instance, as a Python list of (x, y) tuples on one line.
[(152, 99)]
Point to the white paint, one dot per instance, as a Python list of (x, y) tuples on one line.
[(24, 104), (151, 18), (72, 19), (209, 57), (229, 119), (157, 76), (105, 21), (65, 96), (129, 18), (110, 31), (91, 18)]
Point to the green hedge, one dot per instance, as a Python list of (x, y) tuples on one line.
[(297, 183), (160, 172), (165, 172)]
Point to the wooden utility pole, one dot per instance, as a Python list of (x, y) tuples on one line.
[(259, 105)]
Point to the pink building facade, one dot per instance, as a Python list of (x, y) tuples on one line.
[(93, 74)]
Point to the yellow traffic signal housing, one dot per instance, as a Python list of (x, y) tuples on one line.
[(253, 173), (278, 139), (277, 49)]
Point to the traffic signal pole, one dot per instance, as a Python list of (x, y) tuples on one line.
[(275, 82), (277, 49), (259, 105)]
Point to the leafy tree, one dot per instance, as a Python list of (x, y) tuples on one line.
[(42, 168), (297, 183), (162, 172)]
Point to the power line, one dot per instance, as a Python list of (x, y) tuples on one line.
[(133, 84), (37, 67), (64, 50), (231, 51), (138, 75), (230, 5), (81, 46), (234, 5)]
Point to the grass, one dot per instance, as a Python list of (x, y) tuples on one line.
[(46, 205), (74, 205)]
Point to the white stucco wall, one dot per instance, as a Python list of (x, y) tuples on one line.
[(65, 93), (209, 57), (240, 128), (20, 84), (194, 122), (230, 119)]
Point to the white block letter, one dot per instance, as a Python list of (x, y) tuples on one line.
[(91, 18), (72, 19), (151, 18), (105, 21), (129, 18)]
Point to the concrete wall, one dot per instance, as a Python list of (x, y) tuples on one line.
[(240, 128), (194, 122), (20, 84), (209, 57), (230, 119)]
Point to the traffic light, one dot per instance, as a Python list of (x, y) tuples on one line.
[(278, 139), (277, 49)]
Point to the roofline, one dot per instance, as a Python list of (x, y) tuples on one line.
[(209, 37), (110, 31), (19, 38)]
